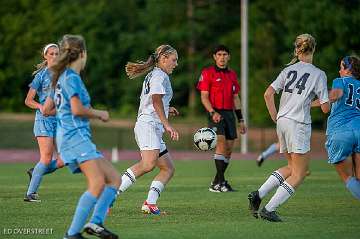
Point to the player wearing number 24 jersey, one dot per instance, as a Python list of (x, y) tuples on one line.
[(300, 83)]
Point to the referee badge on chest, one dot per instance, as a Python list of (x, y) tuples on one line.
[(218, 79)]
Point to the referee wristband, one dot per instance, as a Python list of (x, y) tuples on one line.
[(212, 113), (239, 115)]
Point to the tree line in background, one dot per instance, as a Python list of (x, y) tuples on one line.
[(117, 31)]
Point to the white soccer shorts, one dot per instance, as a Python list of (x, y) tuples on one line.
[(148, 135), (294, 137)]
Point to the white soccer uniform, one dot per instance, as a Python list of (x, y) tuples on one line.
[(300, 83), (148, 128)]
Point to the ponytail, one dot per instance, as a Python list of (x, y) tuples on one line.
[(39, 67), (139, 68), (58, 68), (71, 46)]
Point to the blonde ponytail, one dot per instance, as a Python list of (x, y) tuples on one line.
[(139, 68)]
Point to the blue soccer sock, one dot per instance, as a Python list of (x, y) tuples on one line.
[(353, 185), (52, 167), (106, 199), (37, 174), (86, 203), (272, 149)]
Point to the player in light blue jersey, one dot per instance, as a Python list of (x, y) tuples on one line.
[(74, 143), (343, 126), (44, 125)]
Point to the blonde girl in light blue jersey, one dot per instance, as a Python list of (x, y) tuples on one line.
[(44, 125)]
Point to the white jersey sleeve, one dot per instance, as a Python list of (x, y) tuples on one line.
[(157, 85), (321, 90), (156, 82), (279, 83), (300, 84)]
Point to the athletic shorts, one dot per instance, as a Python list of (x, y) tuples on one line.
[(148, 135), (226, 126), (78, 154), (294, 137), (45, 127), (341, 145)]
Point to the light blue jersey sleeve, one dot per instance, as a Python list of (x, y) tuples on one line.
[(73, 86), (36, 83), (338, 84)]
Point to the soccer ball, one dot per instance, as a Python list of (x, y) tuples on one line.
[(205, 139)]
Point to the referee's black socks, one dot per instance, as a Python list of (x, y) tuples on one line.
[(220, 168)]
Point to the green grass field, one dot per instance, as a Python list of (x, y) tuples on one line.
[(321, 208)]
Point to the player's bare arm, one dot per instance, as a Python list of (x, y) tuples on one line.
[(173, 111), (216, 117), (159, 108), (78, 109), (30, 100), (270, 103), (335, 94), (49, 107)]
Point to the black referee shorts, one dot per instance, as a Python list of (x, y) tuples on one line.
[(226, 126)]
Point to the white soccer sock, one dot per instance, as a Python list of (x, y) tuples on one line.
[(283, 193), (272, 182), (127, 179), (156, 188)]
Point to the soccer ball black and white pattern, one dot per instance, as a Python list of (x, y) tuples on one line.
[(205, 139)]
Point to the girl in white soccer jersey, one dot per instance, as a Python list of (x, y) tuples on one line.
[(74, 143), (299, 82), (44, 125), (151, 123)]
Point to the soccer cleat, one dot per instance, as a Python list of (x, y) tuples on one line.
[(150, 209), (33, 197), (254, 203), (215, 188), (270, 216), (260, 160), (99, 231), (30, 172), (76, 236), (227, 186)]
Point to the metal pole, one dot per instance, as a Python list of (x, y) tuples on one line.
[(244, 70)]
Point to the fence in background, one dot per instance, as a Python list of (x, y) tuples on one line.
[(18, 134)]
